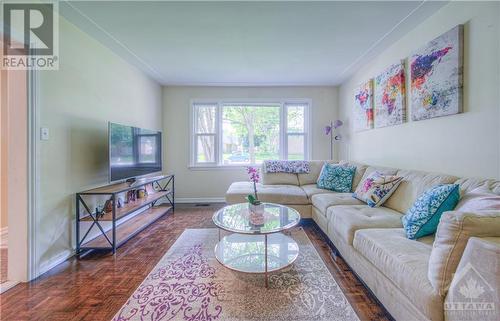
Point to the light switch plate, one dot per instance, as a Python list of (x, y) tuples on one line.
[(44, 133)]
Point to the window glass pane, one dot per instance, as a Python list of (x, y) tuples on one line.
[(295, 118), (147, 149), (250, 133), (205, 149), (296, 150), (205, 119)]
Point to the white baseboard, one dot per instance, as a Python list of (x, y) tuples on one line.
[(7, 285), (54, 261), (200, 200), (4, 237)]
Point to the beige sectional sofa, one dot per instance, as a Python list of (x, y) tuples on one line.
[(372, 240)]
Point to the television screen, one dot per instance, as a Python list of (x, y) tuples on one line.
[(133, 151)]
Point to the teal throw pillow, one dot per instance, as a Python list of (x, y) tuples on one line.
[(337, 178), (423, 217)]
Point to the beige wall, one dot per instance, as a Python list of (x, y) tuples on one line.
[(203, 184), (3, 146), (93, 86), (467, 144)]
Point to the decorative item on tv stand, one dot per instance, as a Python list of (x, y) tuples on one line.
[(255, 207), (330, 131)]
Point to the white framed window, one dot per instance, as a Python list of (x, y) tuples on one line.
[(243, 133)]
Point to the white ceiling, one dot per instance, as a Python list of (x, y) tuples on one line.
[(247, 43)]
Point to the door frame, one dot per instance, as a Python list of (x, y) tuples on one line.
[(33, 171)]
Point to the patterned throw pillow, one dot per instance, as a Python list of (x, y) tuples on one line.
[(423, 217), (285, 166), (377, 188), (337, 178)]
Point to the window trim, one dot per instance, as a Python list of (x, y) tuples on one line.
[(219, 104)]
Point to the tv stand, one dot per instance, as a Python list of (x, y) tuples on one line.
[(116, 222)]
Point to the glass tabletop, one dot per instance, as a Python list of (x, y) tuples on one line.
[(272, 218)]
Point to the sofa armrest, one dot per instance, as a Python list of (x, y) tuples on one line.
[(453, 232), (477, 280)]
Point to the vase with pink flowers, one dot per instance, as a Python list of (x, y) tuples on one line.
[(254, 204)]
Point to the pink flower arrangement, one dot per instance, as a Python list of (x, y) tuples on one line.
[(254, 176), (253, 173)]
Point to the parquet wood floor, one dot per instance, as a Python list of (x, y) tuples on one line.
[(95, 287)]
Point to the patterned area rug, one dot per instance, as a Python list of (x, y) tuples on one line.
[(189, 284)]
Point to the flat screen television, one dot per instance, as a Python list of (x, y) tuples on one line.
[(133, 152)]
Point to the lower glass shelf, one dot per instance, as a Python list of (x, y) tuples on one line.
[(246, 253)]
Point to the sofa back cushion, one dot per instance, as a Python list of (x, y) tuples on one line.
[(479, 199), (453, 232), (314, 170), (278, 178), (360, 171), (414, 184), (469, 184)]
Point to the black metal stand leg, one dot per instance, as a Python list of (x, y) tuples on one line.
[(173, 192), (114, 223), (77, 226)]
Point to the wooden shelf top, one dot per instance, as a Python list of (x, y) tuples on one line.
[(128, 228), (130, 207), (123, 187)]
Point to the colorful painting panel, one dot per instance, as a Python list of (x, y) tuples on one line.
[(436, 74), (390, 101), (363, 107)]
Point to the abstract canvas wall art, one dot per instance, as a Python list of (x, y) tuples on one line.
[(363, 107), (436, 74), (389, 96)]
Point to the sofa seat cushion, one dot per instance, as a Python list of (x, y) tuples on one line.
[(323, 201), (281, 194), (313, 189), (401, 260), (343, 221)]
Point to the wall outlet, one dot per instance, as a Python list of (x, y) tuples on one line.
[(44, 133)]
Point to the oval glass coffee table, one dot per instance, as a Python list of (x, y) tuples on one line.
[(258, 244)]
